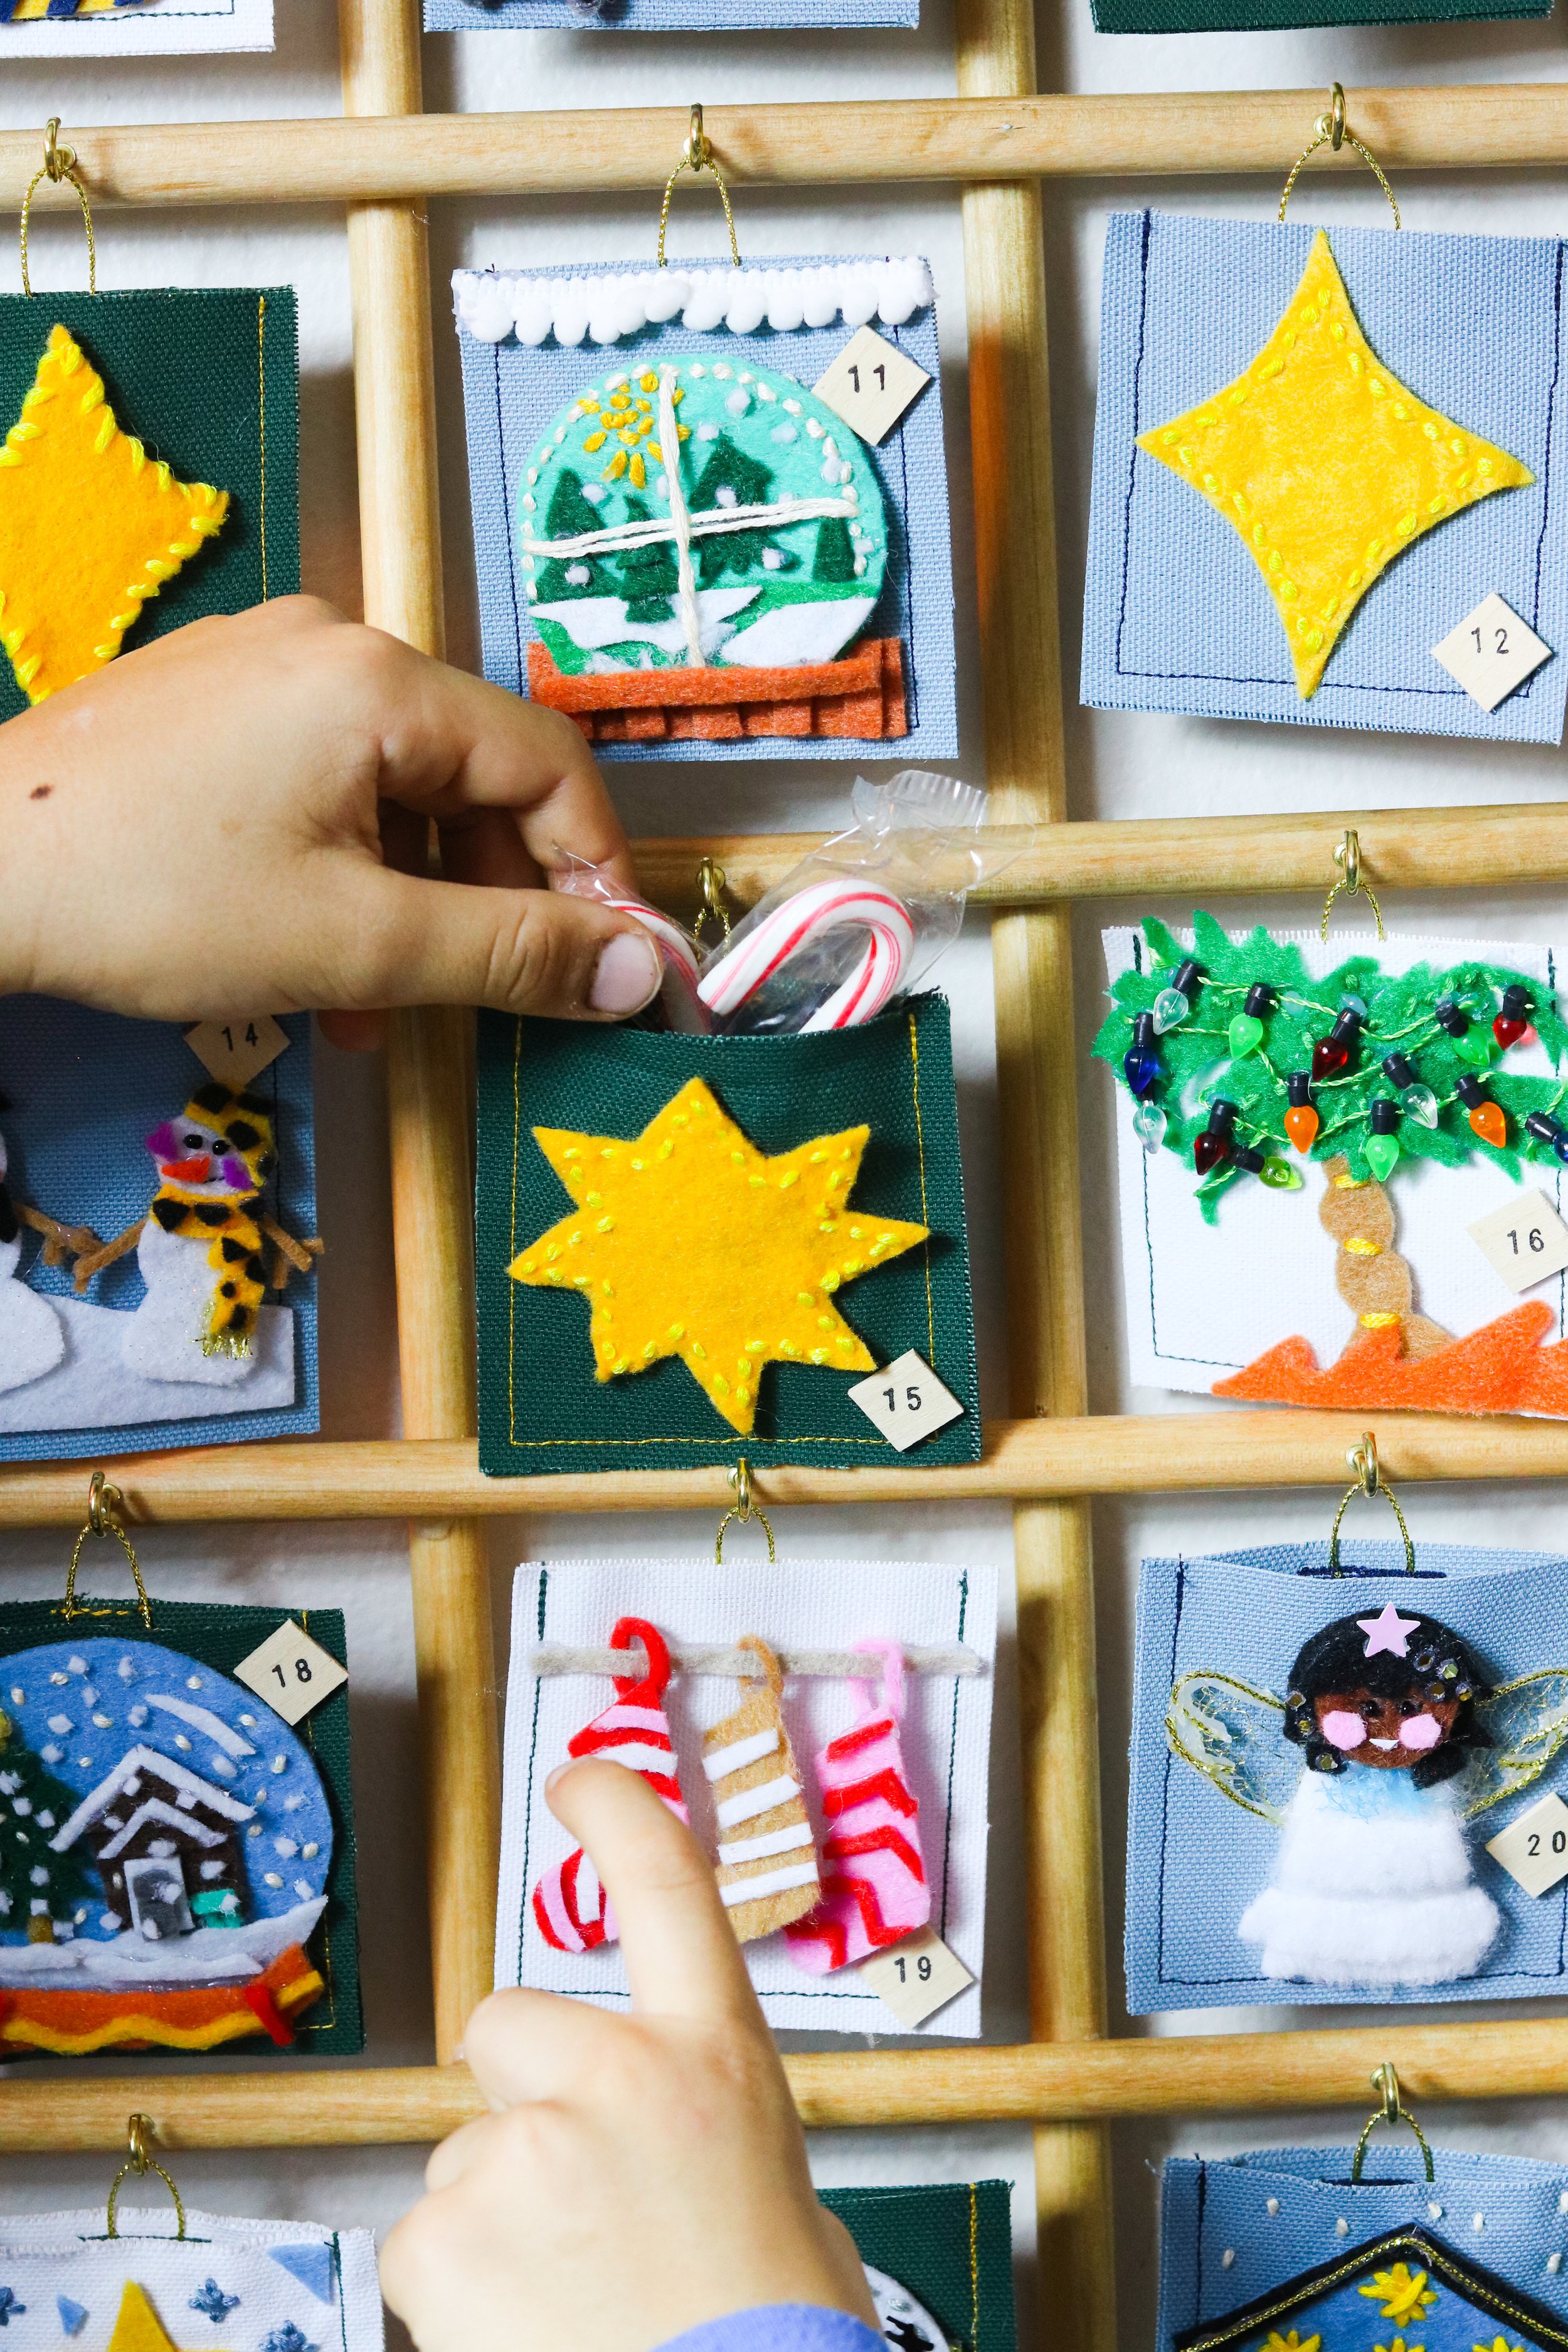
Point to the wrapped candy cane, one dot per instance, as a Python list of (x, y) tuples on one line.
[(806, 916), (682, 1007), (679, 955)]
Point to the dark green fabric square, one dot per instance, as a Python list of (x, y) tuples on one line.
[(196, 375), (220, 1634), (1288, 15), (951, 2245), (541, 1407)]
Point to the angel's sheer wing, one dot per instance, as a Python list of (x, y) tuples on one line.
[(1233, 1735), (1528, 1721)]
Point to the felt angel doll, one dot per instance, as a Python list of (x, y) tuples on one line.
[(1393, 1740)]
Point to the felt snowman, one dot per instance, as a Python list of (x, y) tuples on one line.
[(199, 1250), (32, 1337)]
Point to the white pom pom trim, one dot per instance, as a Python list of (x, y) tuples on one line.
[(492, 305)]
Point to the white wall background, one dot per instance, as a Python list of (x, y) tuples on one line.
[(1119, 765)]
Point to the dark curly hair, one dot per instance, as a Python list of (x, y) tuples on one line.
[(1437, 1662)]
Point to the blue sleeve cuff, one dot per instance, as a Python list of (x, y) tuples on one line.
[(780, 2327)]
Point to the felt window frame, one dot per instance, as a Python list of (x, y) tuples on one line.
[(1150, 532), (504, 427), (541, 1407), (1195, 1860), (136, 1073)]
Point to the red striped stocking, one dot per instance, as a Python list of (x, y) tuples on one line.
[(569, 1903), (874, 1889)]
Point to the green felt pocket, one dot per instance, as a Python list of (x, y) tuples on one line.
[(952, 2246)]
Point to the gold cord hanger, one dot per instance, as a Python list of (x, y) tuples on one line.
[(696, 157), (58, 164), (1386, 2082), (742, 1509), (1368, 1476), (142, 2161), (1330, 131), (711, 880), (103, 1503), (1347, 857)]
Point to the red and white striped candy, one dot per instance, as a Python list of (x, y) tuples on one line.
[(807, 915), (679, 955)]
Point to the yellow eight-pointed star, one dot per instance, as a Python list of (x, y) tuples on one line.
[(687, 1241), (1325, 464), (137, 2327)]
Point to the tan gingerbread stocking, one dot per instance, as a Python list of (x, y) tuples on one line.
[(767, 1854)]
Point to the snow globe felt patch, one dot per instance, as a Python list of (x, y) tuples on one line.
[(692, 1248), (224, 2282), (681, 544), (176, 1864), (157, 1232), (1273, 2242), (939, 2260), (1320, 1760), (1256, 378)]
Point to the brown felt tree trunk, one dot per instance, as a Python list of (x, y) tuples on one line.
[(1372, 1279)]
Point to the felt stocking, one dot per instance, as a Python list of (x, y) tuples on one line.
[(767, 1853), (874, 1889), (569, 1902)]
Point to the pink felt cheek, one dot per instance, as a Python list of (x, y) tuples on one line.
[(1420, 1731), (1342, 1729)]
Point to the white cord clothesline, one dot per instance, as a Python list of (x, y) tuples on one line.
[(733, 1665)]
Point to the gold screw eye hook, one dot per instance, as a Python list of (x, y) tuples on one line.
[(1331, 131), (1367, 1473), (1391, 2109), (103, 1505), (696, 157), (140, 2160), (1347, 857), (698, 152), (710, 877), (745, 1508), (1363, 1464), (1333, 122), (58, 164)]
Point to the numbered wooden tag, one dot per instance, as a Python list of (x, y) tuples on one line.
[(1534, 1846), (907, 1402), (1491, 652), (1524, 1242), (236, 1050), (919, 1976), (291, 1671), (870, 384)]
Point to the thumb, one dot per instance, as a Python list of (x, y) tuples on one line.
[(428, 943)]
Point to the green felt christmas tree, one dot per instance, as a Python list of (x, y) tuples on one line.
[(34, 1806), (571, 516), (730, 478), (1244, 1064), (648, 577)]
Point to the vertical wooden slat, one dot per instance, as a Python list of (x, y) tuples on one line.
[(429, 1059), (1009, 390)]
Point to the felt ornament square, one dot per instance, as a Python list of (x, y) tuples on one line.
[(1297, 1183), (833, 1606), (151, 28), (782, 582), (1314, 455), (1280, 2241), (176, 1862), (1318, 1761), (226, 2282), (692, 1248), (149, 473), (939, 2260), (198, 1325), (667, 16), (1276, 16)]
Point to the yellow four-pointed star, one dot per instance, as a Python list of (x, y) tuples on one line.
[(1325, 464), (137, 2327), (687, 1241)]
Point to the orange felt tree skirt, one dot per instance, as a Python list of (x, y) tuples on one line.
[(1501, 1368), (862, 695), (68, 2023)]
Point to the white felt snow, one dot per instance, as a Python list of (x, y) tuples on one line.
[(800, 633), (209, 1956), (93, 1387), (162, 1337), (32, 1337)]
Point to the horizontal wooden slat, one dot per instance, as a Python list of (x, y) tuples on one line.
[(1041, 2082), (434, 1480), (1149, 133)]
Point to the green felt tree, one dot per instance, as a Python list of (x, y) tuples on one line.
[(1254, 1036), (835, 558), (33, 1806), (570, 516), (648, 577), (738, 553)]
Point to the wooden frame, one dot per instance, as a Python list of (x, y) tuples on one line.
[(997, 138)]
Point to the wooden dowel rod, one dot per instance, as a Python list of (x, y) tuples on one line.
[(1038, 2082), (1401, 849), (439, 1479), (390, 158)]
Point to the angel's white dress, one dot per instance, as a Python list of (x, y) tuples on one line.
[(1371, 1885)]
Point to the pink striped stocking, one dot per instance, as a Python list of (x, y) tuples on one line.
[(569, 1903), (874, 1889)]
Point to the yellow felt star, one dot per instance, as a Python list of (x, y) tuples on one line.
[(1400, 2292), (89, 525), (1326, 465), (137, 2327), (687, 1241)]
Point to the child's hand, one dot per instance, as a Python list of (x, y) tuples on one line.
[(196, 832), (643, 2173)]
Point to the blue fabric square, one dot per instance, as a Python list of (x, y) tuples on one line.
[(511, 392), (1196, 1860), (1175, 616), (84, 1090), (667, 15)]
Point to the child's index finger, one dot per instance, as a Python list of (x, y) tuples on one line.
[(681, 1955)]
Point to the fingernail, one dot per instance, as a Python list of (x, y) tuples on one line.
[(628, 974)]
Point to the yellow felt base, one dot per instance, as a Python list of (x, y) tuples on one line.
[(688, 1242), (1325, 464), (89, 525)]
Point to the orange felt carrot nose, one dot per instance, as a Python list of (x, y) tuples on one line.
[(189, 1171)]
